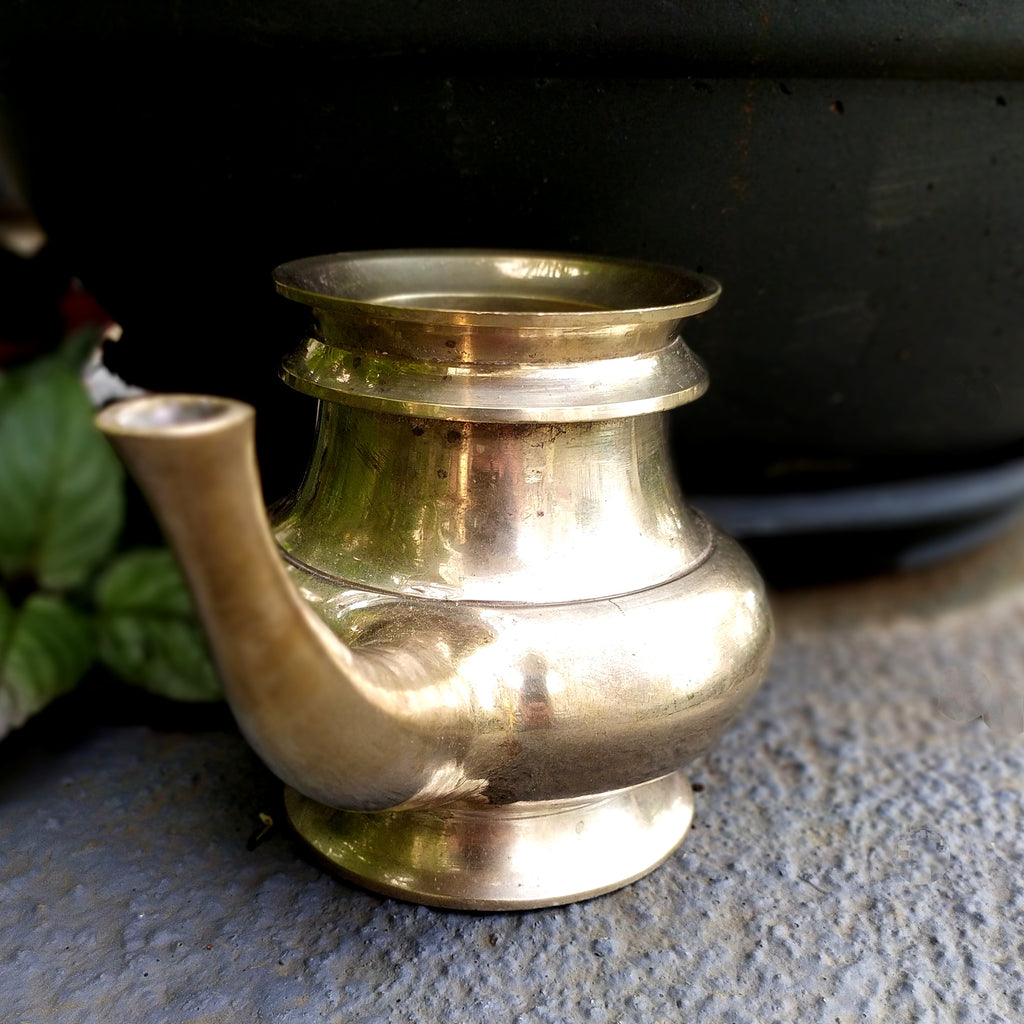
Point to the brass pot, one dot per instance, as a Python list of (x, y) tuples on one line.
[(487, 632)]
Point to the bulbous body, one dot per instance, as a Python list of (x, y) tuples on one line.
[(595, 631), (486, 632)]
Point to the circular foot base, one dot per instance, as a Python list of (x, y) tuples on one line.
[(502, 857)]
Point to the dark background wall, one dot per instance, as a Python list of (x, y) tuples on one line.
[(851, 172)]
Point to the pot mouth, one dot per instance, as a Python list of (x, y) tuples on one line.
[(496, 288), (496, 336)]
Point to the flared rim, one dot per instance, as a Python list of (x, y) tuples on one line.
[(496, 288)]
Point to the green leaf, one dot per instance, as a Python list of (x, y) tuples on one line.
[(61, 486), (45, 648), (148, 633)]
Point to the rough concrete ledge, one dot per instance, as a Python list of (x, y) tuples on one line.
[(855, 857)]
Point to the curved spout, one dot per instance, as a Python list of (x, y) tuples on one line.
[(431, 701), (336, 724)]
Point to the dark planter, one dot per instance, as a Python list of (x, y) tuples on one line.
[(854, 182)]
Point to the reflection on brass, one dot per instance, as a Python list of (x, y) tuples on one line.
[(486, 633)]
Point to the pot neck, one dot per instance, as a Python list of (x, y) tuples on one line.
[(494, 512), (489, 336)]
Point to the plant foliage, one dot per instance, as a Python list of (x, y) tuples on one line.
[(67, 597)]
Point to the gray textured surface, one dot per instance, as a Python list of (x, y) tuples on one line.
[(855, 857)]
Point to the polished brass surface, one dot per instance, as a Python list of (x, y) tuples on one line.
[(535, 854), (494, 336), (495, 615), (492, 511)]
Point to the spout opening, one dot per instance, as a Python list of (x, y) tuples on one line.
[(172, 415)]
